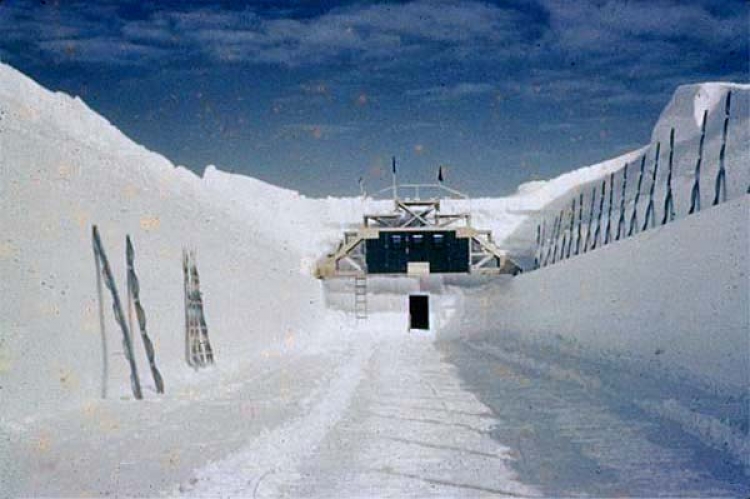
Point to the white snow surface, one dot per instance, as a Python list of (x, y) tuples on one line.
[(297, 391), (676, 307)]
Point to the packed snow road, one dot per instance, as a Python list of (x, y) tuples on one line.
[(409, 417), (582, 426), (392, 421), (385, 414)]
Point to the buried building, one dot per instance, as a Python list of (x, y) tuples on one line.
[(411, 250)]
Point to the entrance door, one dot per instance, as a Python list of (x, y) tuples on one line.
[(419, 312)]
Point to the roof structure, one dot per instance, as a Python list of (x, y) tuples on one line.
[(415, 215)]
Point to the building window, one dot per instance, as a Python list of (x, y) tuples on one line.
[(417, 239), (396, 240), (438, 239)]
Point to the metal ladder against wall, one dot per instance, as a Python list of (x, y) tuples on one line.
[(360, 297)]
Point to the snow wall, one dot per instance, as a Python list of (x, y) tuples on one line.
[(674, 298), (64, 168)]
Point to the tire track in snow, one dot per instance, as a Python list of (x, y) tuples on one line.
[(271, 460), (575, 435), (412, 430)]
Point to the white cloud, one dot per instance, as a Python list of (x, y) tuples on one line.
[(365, 32), (452, 92), (102, 50), (612, 44)]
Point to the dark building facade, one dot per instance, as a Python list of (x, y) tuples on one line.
[(392, 251)]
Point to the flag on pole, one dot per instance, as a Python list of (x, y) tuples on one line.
[(440, 174), (393, 164)]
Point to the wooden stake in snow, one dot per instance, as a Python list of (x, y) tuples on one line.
[(695, 195), (650, 215), (621, 220), (198, 348), (669, 199), (538, 245), (571, 226), (598, 229), (608, 230), (556, 237), (543, 240), (580, 222), (564, 241), (634, 217), (591, 220), (134, 302), (106, 273), (720, 193), (548, 243), (564, 232), (551, 245)]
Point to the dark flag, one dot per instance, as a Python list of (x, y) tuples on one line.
[(440, 174), (393, 164)]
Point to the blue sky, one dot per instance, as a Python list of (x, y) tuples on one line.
[(312, 96)]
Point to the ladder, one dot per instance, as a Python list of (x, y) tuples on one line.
[(198, 349), (360, 297)]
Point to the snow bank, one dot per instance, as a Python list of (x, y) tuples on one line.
[(64, 168), (311, 227), (678, 293), (672, 303)]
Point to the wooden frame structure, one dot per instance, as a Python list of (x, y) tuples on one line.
[(416, 216)]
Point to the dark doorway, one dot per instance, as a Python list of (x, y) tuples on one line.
[(419, 312)]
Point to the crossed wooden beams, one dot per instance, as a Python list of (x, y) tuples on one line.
[(415, 214)]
